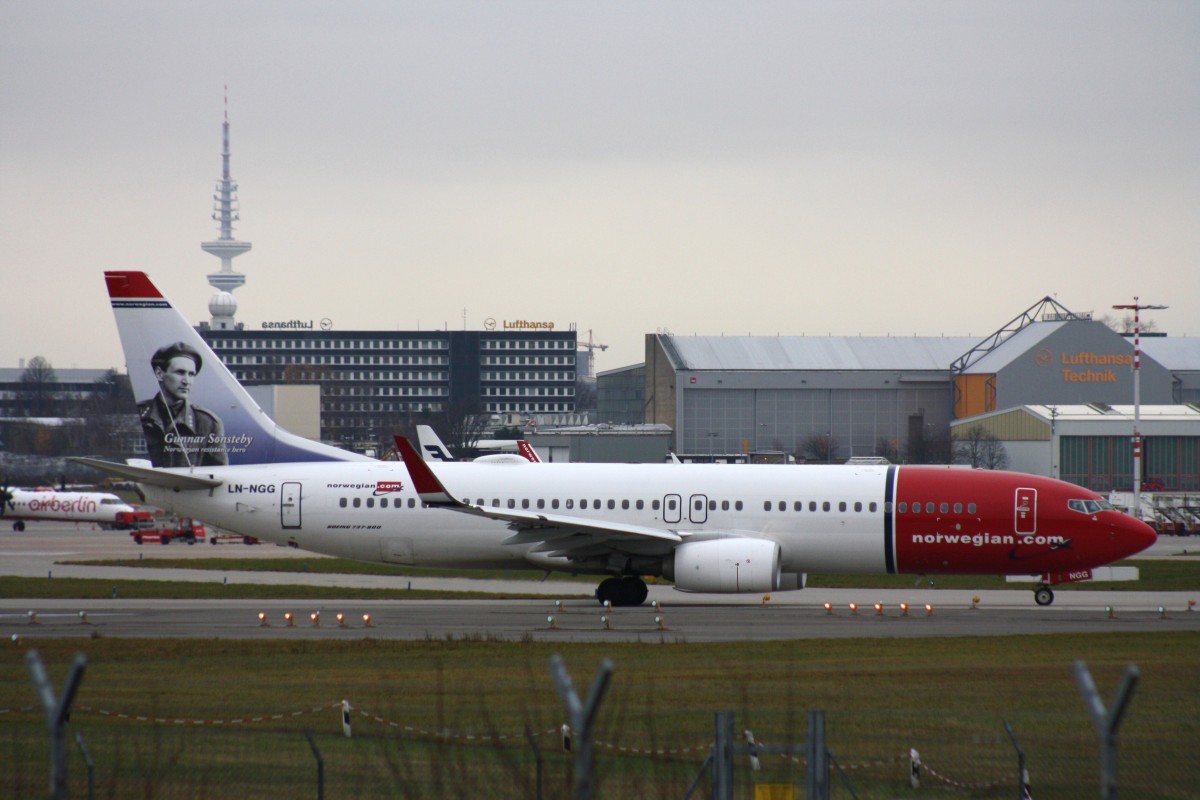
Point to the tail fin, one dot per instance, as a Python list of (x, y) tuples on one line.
[(432, 448), (193, 411), (528, 452)]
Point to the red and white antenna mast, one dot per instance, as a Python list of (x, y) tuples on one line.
[(1137, 307)]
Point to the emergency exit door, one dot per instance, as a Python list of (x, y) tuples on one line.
[(1025, 513), (289, 504)]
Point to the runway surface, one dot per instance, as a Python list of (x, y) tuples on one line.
[(678, 617)]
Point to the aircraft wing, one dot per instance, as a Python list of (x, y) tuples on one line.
[(554, 534), (167, 479)]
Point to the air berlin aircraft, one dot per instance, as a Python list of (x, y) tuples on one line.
[(25, 505)]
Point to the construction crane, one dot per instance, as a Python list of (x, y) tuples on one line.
[(591, 347)]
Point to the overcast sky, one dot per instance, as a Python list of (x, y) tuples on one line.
[(703, 167)]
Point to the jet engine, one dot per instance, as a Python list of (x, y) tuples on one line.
[(725, 565)]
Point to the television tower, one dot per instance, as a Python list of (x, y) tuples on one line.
[(222, 306)]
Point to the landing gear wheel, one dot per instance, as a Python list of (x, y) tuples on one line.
[(633, 591), (19, 526), (1043, 596), (626, 591)]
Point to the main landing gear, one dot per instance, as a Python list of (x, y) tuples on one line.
[(1043, 596), (628, 590)]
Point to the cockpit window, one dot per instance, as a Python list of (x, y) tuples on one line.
[(1089, 506)]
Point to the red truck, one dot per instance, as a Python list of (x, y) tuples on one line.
[(129, 520), (166, 530)]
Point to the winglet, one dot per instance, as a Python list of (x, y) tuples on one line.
[(426, 483)]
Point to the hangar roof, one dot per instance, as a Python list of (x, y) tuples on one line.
[(1083, 413), (732, 353), (1178, 354), (1014, 347)]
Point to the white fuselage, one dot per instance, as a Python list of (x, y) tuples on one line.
[(370, 510), (48, 504)]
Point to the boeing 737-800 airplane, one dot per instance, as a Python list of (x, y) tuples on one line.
[(708, 528)]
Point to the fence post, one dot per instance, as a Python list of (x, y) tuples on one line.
[(57, 711), (312, 743), (581, 717), (1022, 773), (818, 763), (91, 766), (537, 760), (722, 765), (1106, 721)]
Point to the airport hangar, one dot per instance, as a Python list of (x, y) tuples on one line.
[(727, 397)]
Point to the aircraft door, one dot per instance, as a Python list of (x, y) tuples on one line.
[(1025, 519), (289, 504), (698, 509), (672, 508)]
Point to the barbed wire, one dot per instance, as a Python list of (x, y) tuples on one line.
[(206, 722)]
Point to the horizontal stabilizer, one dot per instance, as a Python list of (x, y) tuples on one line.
[(150, 476)]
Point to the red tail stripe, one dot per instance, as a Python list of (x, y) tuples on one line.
[(130, 286)]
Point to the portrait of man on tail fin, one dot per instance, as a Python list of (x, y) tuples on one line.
[(178, 432)]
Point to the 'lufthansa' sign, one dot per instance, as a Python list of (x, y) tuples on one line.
[(290, 325), (526, 325), (1085, 367)]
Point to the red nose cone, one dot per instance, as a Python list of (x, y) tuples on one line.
[(1134, 536)]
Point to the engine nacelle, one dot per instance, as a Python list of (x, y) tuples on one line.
[(725, 566)]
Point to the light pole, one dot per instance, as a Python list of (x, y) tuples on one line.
[(1137, 402)]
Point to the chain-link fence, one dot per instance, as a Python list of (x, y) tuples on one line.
[(271, 757)]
